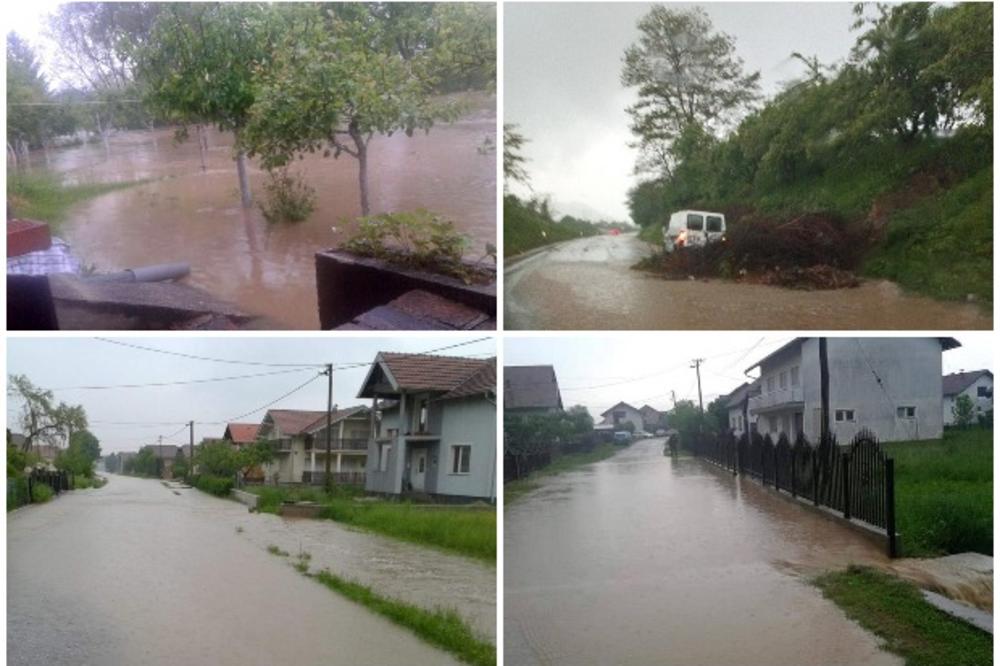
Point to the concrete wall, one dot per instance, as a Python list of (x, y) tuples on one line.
[(471, 421), (910, 372), (981, 405)]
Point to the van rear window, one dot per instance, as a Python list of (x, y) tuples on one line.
[(695, 222), (714, 223)]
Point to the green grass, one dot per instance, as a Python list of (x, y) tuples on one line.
[(275, 550), (442, 628), (525, 229), (466, 531), (43, 196), (512, 490), (943, 246), (912, 628), (944, 493)]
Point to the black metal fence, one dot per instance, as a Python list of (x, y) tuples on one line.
[(856, 480), (519, 462), (20, 490)]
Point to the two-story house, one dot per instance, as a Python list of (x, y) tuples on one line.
[(739, 421), (436, 435), (653, 419), (298, 438), (531, 389), (977, 385), (890, 386), (615, 417)]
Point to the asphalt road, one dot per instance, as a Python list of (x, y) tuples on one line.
[(643, 559), (587, 284), (135, 573)]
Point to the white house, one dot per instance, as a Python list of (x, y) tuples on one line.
[(734, 405), (978, 385), (298, 438), (890, 386), (622, 413)]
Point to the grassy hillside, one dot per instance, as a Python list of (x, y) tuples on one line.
[(525, 228)]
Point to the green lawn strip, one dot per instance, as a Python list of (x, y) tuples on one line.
[(912, 628), (944, 493), (43, 196), (467, 531), (442, 628), (512, 490)]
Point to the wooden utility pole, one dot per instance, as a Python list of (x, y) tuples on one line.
[(824, 392), (191, 448), (329, 423), (697, 370)]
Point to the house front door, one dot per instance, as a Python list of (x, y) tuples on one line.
[(418, 468)]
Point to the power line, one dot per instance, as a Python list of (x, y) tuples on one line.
[(176, 383), (279, 399), (208, 358)]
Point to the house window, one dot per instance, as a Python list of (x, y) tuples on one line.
[(906, 412), (770, 384), (983, 391), (794, 372), (383, 457), (460, 458), (844, 416), (783, 380), (421, 464)]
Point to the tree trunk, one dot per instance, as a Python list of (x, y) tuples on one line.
[(241, 171), (201, 150), (361, 145)]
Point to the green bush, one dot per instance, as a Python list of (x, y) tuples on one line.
[(287, 198), (41, 492), (219, 486)]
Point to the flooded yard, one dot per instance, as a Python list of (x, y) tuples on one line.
[(188, 214), (644, 559), (137, 573)]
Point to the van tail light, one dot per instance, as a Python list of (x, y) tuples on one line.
[(682, 238)]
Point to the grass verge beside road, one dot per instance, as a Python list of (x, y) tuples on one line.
[(912, 628), (469, 531), (442, 628), (944, 493), (566, 462), (44, 197)]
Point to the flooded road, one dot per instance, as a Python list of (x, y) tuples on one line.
[(187, 214), (588, 284), (133, 573), (641, 559)]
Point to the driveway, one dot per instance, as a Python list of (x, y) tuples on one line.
[(641, 559), (588, 284), (135, 573)]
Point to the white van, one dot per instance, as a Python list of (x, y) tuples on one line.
[(693, 228)]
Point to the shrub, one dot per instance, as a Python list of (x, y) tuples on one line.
[(418, 239), (287, 198), (41, 492), (219, 486)]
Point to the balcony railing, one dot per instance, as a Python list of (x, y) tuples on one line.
[(775, 398), (345, 444)]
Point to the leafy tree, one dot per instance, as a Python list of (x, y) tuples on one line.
[(42, 420), (687, 419), (79, 457), (513, 160), (31, 122), (340, 77), (217, 458), (200, 62), (254, 455), (143, 463), (180, 467), (963, 411), (685, 76), (717, 415)]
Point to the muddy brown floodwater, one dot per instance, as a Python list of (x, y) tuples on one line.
[(643, 559), (137, 573), (588, 284), (187, 214)]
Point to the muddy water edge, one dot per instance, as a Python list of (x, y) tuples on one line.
[(187, 213)]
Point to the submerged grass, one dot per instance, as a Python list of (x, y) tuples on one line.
[(912, 628), (442, 628), (512, 490), (43, 196), (469, 531), (944, 493)]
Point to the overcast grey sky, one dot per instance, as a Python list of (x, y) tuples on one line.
[(661, 362), (562, 63), (70, 362)]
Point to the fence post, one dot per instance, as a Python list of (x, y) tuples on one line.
[(793, 473), (846, 466), (815, 470), (777, 485), (890, 505)]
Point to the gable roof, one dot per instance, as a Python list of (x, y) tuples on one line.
[(531, 387), (422, 372), (481, 382), (241, 433), (335, 417), (735, 398), (649, 413), (957, 382), (946, 344), (620, 404), (293, 421)]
